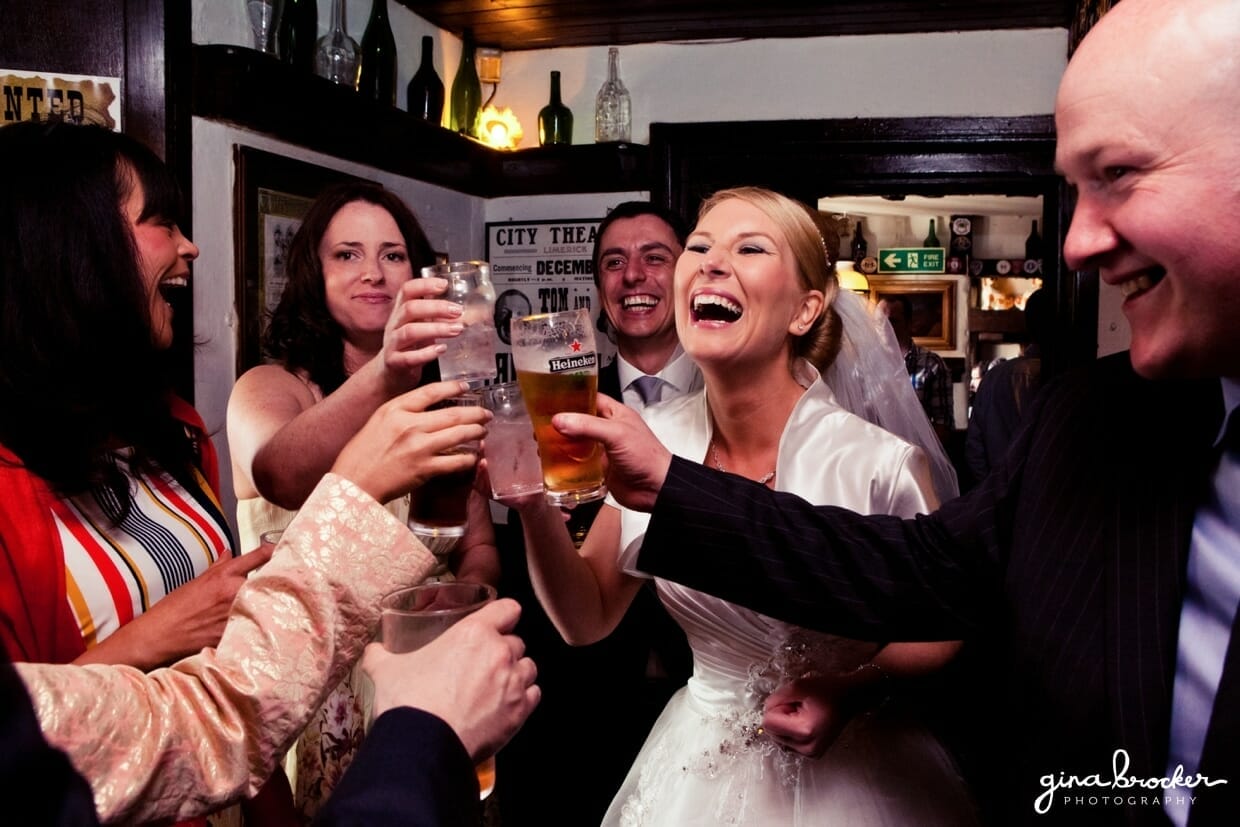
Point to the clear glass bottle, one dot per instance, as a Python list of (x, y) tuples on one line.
[(555, 120), (335, 55), (466, 92), (424, 94), (376, 70), (264, 19), (613, 110)]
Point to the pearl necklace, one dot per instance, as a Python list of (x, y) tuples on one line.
[(714, 457)]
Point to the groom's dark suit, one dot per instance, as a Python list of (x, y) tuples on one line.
[(1071, 555)]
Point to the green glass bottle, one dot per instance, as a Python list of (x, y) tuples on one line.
[(932, 238), (424, 94), (298, 32), (376, 76), (466, 92), (555, 121)]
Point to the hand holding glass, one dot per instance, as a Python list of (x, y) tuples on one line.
[(411, 618), (557, 368), (470, 356)]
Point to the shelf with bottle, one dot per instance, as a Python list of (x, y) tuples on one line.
[(258, 92)]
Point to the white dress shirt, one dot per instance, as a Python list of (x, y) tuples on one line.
[(680, 376)]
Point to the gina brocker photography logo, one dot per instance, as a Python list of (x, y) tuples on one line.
[(1119, 789)]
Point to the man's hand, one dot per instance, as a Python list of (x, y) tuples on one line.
[(637, 462), (474, 676), (403, 444)]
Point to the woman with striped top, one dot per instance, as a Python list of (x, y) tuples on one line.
[(113, 547)]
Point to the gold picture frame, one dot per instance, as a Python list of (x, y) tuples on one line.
[(933, 305)]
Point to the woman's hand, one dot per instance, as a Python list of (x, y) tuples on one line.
[(417, 320), (185, 621), (403, 444), (807, 715)]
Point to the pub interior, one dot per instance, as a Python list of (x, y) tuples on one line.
[(918, 129)]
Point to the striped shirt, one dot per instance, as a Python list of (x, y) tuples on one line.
[(115, 572)]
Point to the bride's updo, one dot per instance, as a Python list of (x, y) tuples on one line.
[(820, 342)]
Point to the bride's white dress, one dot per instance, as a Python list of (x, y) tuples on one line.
[(705, 761)]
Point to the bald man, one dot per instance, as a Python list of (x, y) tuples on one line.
[(1102, 554)]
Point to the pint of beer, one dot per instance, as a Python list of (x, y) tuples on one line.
[(439, 509), (557, 368)]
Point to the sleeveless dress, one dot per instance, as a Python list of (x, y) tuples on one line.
[(705, 761), (317, 760)]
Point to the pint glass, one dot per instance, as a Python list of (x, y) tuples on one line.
[(471, 355), (438, 511), (557, 368), (411, 618)]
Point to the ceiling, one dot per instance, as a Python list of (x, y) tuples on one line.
[(514, 25)]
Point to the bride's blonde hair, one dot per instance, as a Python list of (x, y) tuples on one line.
[(821, 341)]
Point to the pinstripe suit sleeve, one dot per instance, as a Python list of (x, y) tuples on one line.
[(877, 577)]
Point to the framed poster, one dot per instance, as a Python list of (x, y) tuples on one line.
[(542, 267), (272, 195), (932, 302)]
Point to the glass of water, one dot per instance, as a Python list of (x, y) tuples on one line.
[(470, 357)]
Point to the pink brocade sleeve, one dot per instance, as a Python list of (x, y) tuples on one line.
[(182, 740)]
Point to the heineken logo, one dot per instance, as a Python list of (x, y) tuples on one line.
[(585, 360)]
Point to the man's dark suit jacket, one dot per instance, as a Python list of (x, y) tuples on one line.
[(37, 783), (411, 771), (1070, 557)]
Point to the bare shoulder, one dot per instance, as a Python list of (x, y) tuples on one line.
[(273, 385)]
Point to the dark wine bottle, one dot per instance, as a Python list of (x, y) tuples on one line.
[(859, 247), (466, 91), (1033, 244), (376, 76), (298, 32), (424, 95), (555, 121), (932, 238)]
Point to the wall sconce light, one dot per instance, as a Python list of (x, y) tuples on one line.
[(850, 279), (499, 128), (490, 66)]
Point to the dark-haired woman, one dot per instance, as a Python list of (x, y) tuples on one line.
[(113, 548), (352, 329)]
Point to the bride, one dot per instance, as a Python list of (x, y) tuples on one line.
[(777, 725)]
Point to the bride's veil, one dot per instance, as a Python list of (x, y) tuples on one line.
[(869, 379)]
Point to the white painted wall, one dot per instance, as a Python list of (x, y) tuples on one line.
[(453, 222)]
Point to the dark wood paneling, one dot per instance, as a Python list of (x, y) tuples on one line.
[(542, 24), (83, 38)]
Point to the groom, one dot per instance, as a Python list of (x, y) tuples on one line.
[(1104, 550)]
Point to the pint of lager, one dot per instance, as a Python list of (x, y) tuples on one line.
[(557, 368)]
